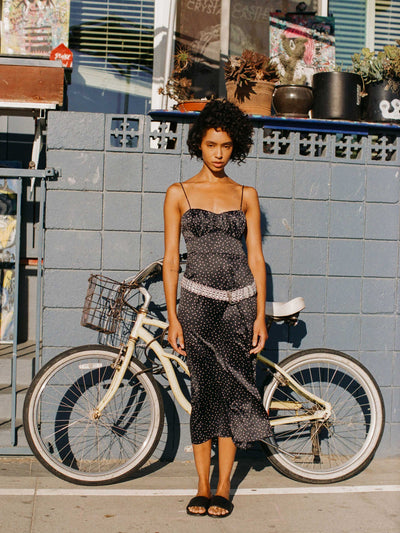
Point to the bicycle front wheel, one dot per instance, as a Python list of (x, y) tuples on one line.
[(77, 446), (324, 451)]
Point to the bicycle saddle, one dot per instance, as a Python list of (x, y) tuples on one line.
[(282, 310)]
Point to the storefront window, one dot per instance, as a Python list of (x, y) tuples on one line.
[(199, 26), (249, 23), (112, 43)]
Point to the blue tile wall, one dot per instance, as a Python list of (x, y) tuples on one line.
[(310, 218), (75, 131), (277, 214), (313, 290), (383, 184), (345, 257), (123, 172), (381, 259), (80, 170), (311, 185), (73, 248), (244, 173), (277, 254), (343, 293), (330, 221), (379, 295), (347, 219), (348, 182), (74, 210), (120, 250), (382, 221), (275, 178), (122, 211), (310, 256)]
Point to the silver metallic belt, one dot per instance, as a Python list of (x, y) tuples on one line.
[(216, 294)]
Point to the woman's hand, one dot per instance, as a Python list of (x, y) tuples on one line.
[(260, 335), (175, 337)]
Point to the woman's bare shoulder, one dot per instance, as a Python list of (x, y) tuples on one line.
[(175, 187), (250, 193), (174, 194), (175, 190)]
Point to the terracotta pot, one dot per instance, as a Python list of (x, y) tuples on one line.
[(253, 99), (191, 105), (292, 100)]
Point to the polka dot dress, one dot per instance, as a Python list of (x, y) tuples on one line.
[(218, 335)]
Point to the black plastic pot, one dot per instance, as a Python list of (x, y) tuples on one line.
[(381, 104), (337, 95)]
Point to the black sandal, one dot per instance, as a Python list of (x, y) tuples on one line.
[(222, 503), (198, 501)]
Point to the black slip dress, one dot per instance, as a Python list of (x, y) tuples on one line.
[(218, 334)]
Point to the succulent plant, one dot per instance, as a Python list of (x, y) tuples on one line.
[(375, 67), (249, 67), (391, 64), (179, 84)]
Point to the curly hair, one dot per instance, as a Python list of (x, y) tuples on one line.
[(221, 114)]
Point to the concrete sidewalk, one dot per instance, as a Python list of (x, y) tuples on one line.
[(34, 501)]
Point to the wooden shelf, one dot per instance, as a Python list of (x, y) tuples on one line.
[(30, 84)]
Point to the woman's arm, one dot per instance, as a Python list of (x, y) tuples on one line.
[(257, 265), (172, 230)]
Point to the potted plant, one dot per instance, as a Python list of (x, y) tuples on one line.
[(250, 80), (179, 84), (337, 95), (380, 72), (292, 97)]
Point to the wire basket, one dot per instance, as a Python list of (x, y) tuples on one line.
[(103, 304)]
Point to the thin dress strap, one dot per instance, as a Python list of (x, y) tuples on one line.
[(184, 192), (241, 199)]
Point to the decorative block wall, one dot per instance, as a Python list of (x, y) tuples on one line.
[(330, 206)]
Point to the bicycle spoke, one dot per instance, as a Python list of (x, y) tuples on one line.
[(75, 440), (322, 448)]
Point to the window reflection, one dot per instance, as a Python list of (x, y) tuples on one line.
[(112, 44)]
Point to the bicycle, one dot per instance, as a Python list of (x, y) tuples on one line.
[(94, 414)]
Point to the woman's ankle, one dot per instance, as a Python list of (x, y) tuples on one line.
[(204, 489), (223, 488)]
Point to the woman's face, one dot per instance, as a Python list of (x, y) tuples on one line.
[(216, 149)]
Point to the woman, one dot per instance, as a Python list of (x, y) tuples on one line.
[(220, 324)]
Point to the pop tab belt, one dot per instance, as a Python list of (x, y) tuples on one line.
[(232, 297)]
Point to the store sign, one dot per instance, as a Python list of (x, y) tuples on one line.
[(64, 54)]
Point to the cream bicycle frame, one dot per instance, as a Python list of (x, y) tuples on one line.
[(140, 332)]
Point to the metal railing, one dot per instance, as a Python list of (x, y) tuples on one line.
[(24, 177)]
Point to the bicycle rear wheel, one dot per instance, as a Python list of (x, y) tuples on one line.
[(65, 436), (334, 449)]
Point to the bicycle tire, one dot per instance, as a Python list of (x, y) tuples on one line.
[(346, 442), (70, 442)]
